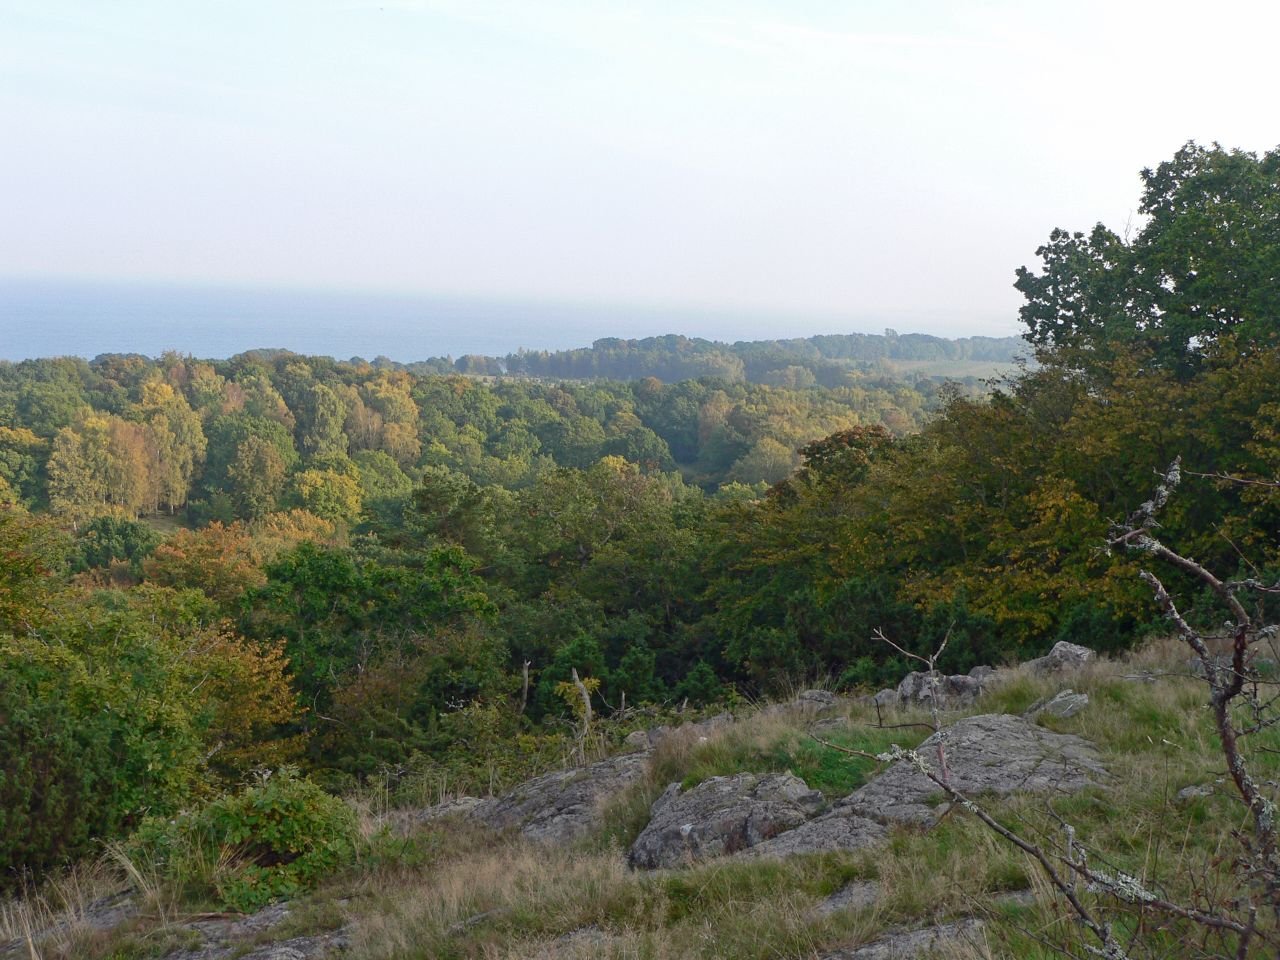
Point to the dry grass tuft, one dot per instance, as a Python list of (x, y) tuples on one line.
[(51, 919)]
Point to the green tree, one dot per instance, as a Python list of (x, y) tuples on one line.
[(34, 553), (227, 433), (329, 494), (1204, 262), (77, 475), (256, 476)]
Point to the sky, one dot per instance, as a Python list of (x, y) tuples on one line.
[(895, 160)]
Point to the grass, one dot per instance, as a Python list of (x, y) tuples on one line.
[(449, 891), (783, 747)]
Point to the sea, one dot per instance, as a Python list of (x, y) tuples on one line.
[(45, 318)]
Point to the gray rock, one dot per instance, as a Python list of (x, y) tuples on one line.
[(816, 701), (838, 829), (908, 944), (831, 725), (992, 753), (963, 688), (586, 941), (110, 911), (225, 938), (1063, 656), (982, 673), (919, 688), (723, 815), (637, 739), (563, 805), (214, 938), (1195, 791), (301, 948), (225, 928), (887, 697), (462, 926), (854, 896), (457, 807), (104, 913), (1063, 704)]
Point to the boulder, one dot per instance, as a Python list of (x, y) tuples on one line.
[(723, 815), (907, 944), (563, 805), (853, 896), (1063, 656), (831, 725), (982, 673), (887, 697), (1063, 704), (838, 829), (919, 688), (637, 739), (991, 753), (1194, 792), (816, 701)]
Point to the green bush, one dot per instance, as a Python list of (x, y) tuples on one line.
[(56, 774), (271, 841), (105, 539)]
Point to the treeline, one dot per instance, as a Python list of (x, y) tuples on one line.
[(426, 634), (829, 361), (238, 439)]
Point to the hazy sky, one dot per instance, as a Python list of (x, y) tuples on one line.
[(896, 159)]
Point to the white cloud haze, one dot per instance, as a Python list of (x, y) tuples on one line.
[(855, 158)]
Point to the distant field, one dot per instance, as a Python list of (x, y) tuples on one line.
[(953, 368), (164, 525)]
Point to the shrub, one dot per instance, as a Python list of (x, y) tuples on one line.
[(56, 774), (272, 840), (700, 684), (108, 538)]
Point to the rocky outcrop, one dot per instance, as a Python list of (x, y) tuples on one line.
[(220, 937), (907, 944), (297, 948), (920, 689), (838, 829), (723, 815), (240, 937), (816, 702), (1063, 656), (563, 805), (992, 753), (1063, 704), (584, 942), (853, 896), (456, 807)]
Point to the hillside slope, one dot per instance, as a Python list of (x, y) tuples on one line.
[(1127, 757)]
